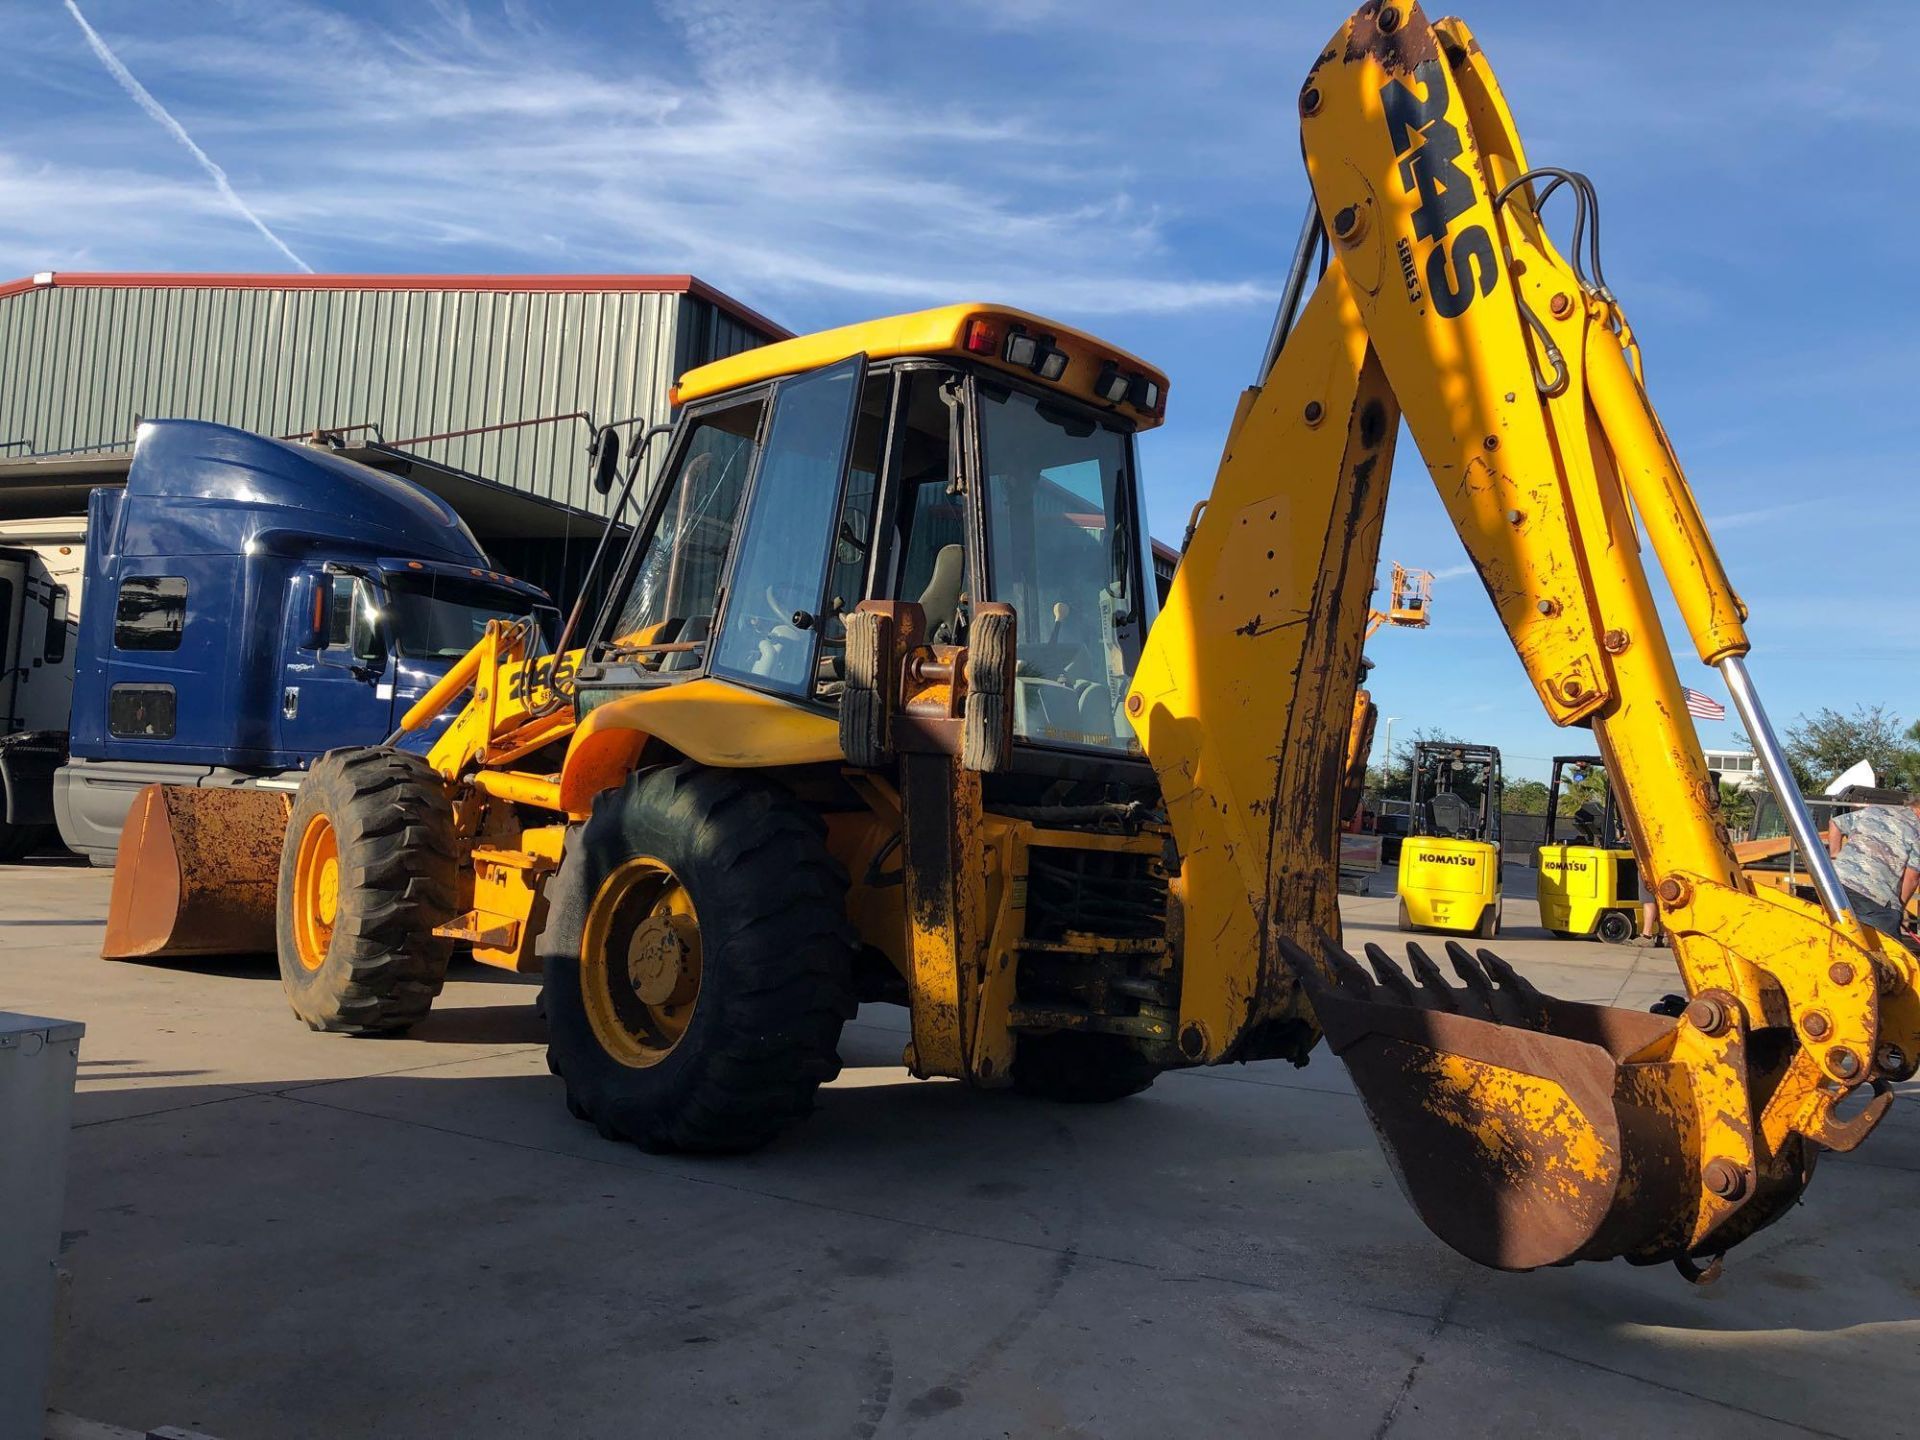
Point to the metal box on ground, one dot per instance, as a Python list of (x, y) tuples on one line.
[(38, 1060)]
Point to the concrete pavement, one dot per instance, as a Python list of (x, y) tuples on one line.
[(276, 1234)]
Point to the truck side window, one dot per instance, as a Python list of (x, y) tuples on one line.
[(150, 612), (340, 611), (141, 712)]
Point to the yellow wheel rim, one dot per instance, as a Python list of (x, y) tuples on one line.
[(316, 891), (640, 962)]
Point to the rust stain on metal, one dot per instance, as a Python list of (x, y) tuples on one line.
[(1398, 51), (198, 873)]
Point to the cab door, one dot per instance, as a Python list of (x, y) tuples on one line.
[(340, 691), (771, 626)]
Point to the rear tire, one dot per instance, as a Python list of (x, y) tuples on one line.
[(1080, 1069), (1406, 921), (1615, 927), (724, 1042), (358, 955), (1489, 925)]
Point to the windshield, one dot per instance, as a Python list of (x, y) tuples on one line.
[(439, 617), (1060, 537)]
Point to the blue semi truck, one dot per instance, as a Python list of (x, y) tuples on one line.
[(246, 604)]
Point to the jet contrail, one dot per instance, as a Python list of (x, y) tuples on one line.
[(173, 127)]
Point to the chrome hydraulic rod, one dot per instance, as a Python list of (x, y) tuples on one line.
[(1773, 760), (1291, 292)]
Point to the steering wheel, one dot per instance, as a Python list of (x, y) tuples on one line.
[(774, 616)]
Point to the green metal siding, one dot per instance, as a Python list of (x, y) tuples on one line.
[(79, 364)]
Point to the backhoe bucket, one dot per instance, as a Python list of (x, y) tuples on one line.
[(1529, 1131), (198, 872)]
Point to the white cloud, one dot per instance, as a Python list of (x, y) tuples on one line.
[(753, 143), (164, 118)]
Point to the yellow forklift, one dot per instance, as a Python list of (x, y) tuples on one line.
[(1450, 865), (1589, 886)]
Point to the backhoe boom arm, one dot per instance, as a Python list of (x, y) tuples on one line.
[(1526, 1130)]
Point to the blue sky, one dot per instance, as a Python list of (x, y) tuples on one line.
[(828, 161)]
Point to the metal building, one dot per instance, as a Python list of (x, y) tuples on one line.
[(481, 387)]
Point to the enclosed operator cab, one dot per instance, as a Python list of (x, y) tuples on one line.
[(949, 458), (1450, 865), (1589, 884)]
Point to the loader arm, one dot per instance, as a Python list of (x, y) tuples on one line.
[(1525, 1130)]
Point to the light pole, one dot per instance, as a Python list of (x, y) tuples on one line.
[(1387, 745)]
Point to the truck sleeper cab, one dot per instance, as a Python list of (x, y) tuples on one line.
[(253, 603)]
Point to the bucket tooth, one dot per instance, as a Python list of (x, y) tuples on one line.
[(1392, 978), (1435, 985), (1345, 969), (1475, 977), (1514, 983)]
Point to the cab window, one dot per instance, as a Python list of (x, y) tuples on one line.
[(776, 591), (1060, 535), (150, 612), (933, 522), (670, 600), (852, 540)]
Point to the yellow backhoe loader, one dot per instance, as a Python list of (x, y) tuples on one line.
[(873, 712)]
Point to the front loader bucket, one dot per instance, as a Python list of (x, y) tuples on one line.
[(1530, 1131), (197, 873)]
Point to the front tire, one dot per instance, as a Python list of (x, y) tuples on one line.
[(698, 961), (367, 870)]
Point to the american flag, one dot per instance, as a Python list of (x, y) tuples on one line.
[(1704, 707)]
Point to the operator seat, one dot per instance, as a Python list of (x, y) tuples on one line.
[(941, 598), (700, 627)]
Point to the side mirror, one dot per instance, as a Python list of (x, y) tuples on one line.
[(364, 640), (310, 593), (604, 453)]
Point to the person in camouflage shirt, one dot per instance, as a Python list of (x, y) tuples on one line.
[(1876, 851)]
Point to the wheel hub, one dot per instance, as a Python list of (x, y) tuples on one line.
[(327, 904), (657, 959)]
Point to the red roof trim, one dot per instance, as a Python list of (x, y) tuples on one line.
[(563, 284)]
